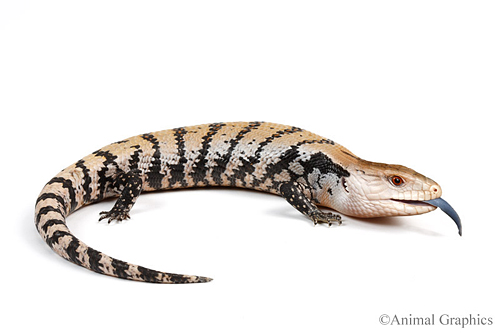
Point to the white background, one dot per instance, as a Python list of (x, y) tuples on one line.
[(412, 83)]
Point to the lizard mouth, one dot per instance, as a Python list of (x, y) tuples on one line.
[(414, 202)]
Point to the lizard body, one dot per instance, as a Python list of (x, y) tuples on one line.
[(304, 168)]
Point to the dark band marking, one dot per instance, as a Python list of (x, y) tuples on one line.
[(71, 251), (103, 180), (316, 161), (278, 134), (51, 223), (148, 275), (177, 170), (135, 158), (46, 196), (120, 268), (45, 210), (94, 258), (285, 159), (68, 185), (154, 176), (200, 170), (324, 164), (87, 180), (320, 141), (223, 161)]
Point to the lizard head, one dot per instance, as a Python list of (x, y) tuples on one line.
[(379, 190), (376, 189)]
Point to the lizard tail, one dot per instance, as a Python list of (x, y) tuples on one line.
[(53, 205)]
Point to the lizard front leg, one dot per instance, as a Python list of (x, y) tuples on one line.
[(294, 193), (129, 186)]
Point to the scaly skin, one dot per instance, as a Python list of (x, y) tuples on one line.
[(304, 168)]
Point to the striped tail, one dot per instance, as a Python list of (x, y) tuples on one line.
[(55, 202)]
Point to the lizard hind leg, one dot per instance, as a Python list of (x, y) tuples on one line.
[(129, 187), (294, 193)]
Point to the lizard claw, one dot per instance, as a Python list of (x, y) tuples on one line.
[(113, 215)]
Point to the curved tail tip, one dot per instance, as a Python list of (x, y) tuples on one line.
[(182, 279), (203, 279), (179, 279)]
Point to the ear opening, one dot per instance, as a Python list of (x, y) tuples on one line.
[(344, 184)]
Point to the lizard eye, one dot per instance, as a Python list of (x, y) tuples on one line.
[(397, 181)]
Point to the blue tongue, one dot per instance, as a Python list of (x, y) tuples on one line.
[(445, 207)]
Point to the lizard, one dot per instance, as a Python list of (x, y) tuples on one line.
[(306, 169)]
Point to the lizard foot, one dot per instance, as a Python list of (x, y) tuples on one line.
[(114, 215), (330, 218)]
